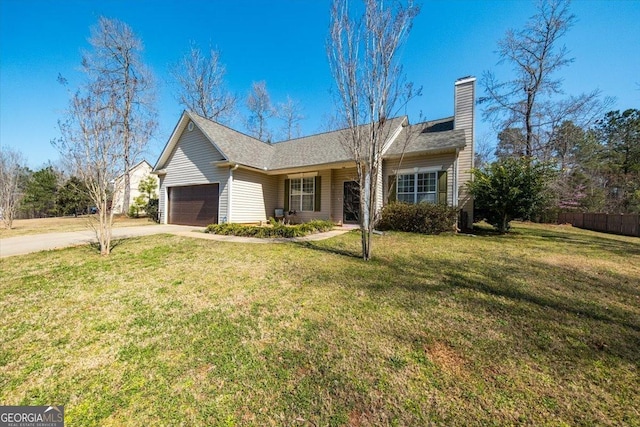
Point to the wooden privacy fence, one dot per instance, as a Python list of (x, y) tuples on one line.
[(626, 224)]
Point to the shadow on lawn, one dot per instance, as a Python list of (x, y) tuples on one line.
[(612, 329), (608, 242), (114, 244), (318, 246), (558, 297)]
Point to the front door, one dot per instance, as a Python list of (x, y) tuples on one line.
[(351, 205)]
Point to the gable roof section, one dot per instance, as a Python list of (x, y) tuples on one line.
[(232, 145), (423, 139), (141, 163), (136, 166)]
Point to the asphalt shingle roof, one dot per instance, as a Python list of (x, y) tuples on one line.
[(319, 149), (235, 146), (420, 139), (324, 148), (311, 150)]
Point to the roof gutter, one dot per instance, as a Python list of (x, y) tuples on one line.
[(421, 152), (455, 179)]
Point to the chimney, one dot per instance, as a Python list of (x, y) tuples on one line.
[(464, 119), (464, 112)]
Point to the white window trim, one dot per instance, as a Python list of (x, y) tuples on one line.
[(313, 200), (420, 170), (302, 175), (415, 173)]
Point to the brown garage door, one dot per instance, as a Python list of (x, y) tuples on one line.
[(193, 205)]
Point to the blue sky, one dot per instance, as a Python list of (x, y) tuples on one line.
[(283, 43)]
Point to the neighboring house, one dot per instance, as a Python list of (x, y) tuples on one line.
[(210, 173), (136, 174)]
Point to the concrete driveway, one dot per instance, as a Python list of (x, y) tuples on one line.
[(21, 245)]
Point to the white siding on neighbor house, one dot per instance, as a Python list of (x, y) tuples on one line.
[(446, 161), (190, 164), (338, 178), (137, 174), (254, 196), (325, 201), (464, 119)]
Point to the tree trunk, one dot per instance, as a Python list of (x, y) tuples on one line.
[(127, 188), (366, 244), (104, 230), (529, 127)]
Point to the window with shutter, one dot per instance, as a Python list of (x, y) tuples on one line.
[(418, 187), (301, 194)]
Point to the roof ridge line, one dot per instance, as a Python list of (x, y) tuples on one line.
[(332, 131), (189, 112)]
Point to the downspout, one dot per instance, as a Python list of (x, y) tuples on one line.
[(455, 179), (165, 214), (230, 192)]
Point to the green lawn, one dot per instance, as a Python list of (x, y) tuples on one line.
[(540, 327)]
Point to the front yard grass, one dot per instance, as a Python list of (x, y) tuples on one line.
[(538, 327)]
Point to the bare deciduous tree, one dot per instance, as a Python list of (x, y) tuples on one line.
[(110, 119), (92, 146), (535, 54), (483, 151), (11, 171), (582, 110), (201, 86), (511, 143), (371, 89), (289, 113), (119, 77), (260, 111)]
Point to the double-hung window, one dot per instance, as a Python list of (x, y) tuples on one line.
[(417, 187), (302, 194)]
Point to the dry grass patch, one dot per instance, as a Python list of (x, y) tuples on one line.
[(24, 227), (540, 327)]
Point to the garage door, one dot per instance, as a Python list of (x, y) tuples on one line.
[(193, 205)]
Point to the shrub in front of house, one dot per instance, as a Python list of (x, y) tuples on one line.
[(275, 229), (425, 218), (134, 211), (152, 210)]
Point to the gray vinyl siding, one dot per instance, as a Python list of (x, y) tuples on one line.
[(338, 178), (464, 119), (190, 164), (325, 199), (445, 160), (254, 196)]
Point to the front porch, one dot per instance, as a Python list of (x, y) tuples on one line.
[(332, 196)]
